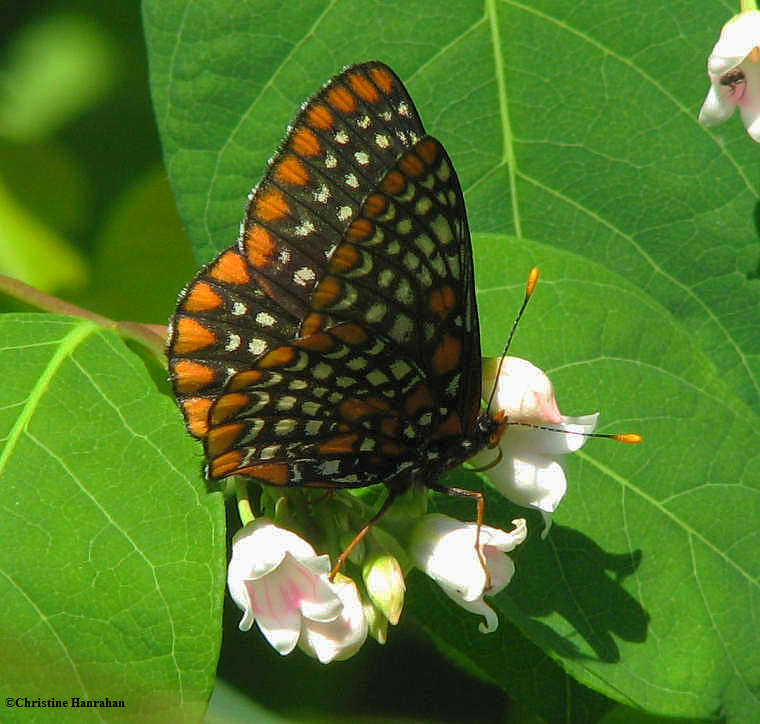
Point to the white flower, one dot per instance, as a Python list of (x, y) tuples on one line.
[(279, 581), (734, 71), (530, 472), (342, 637), (444, 548)]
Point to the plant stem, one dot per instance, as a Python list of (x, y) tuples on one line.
[(244, 504), (149, 335)]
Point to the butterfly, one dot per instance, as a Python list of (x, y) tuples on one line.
[(336, 344)]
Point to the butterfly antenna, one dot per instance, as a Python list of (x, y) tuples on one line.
[(632, 438), (529, 289)]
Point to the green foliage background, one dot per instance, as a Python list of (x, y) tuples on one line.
[(573, 129)]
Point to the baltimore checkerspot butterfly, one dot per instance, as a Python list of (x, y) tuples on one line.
[(336, 344)]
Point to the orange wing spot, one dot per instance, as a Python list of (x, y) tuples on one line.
[(221, 439), (428, 150), (350, 333), (442, 301), (363, 88), (312, 323), (305, 143), (196, 413), (228, 405), (271, 205), (450, 427), (241, 380), (378, 403), (278, 357), (319, 116), (341, 100), (383, 79), (391, 448), (389, 426), (392, 184), (360, 230), (260, 246), (418, 400), (201, 298), (318, 342), (291, 171), (271, 473), (447, 355), (192, 376), (192, 336), (344, 258), (338, 444), (226, 464), (328, 292), (355, 409), (375, 205), (230, 268), (411, 165)]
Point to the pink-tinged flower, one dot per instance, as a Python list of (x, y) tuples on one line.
[(279, 581), (734, 71), (343, 636), (444, 548), (530, 472)]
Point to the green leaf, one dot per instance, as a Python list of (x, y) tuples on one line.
[(573, 125), (112, 551)]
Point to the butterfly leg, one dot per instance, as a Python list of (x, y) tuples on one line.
[(392, 495), (480, 503)]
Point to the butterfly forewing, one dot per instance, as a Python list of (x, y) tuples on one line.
[(339, 146), (357, 357)]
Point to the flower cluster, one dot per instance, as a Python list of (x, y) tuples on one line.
[(279, 581), (734, 71)]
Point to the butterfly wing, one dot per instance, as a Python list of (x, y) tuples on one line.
[(254, 295), (357, 254)]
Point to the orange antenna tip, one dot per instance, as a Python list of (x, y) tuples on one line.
[(532, 281), (630, 437)]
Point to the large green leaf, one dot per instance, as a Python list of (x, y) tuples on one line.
[(111, 549), (574, 125)]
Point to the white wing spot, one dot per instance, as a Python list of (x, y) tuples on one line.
[(330, 161), (283, 427), (341, 137), (344, 213), (403, 109), (312, 426), (303, 229), (329, 467), (364, 122), (257, 346), (362, 158), (303, 276), (382, 141), (265, 319), (321, 371), (423, 206), (322, 194), (352, 181), (376, 378), (233, 342), (239, 309)]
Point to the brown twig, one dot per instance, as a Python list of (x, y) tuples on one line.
[(150, 335)]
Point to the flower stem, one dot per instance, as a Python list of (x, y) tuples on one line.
[(244, 504), (746, 5)]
